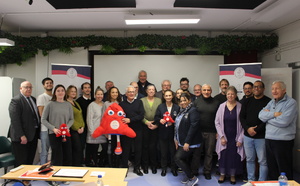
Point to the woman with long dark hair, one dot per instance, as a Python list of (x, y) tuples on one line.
[(188, 138), (166, 131), (113, 96), (57, 112)]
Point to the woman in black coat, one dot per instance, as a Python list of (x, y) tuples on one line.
[(187, 135), (166, 131)]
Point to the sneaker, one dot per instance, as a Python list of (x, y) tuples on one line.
[(179, 169), (52, 183), (184, 180), (66, 182), (192, 182), (247, 184)]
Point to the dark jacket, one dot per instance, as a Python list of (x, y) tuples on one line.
[(23, 120), (189, 130), (163, 131)]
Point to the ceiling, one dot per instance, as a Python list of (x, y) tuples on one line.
[(91, 15)]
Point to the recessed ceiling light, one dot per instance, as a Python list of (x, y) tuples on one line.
[(160, 21)]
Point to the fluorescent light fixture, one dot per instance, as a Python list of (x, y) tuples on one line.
[(160, 21), (6, 42)]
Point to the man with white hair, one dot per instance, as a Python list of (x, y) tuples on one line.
[(197, 91), (134, 111), (280, 116), (143, 83), (165, 85), (25, 125)]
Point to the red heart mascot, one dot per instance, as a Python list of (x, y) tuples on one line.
[(168, 118), (111, 123), (64, 132)]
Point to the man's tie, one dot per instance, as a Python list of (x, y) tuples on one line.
[(33, 110)]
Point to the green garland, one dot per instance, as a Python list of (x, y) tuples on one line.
[(28, 47)]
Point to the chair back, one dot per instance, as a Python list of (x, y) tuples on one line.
[(5, 145)]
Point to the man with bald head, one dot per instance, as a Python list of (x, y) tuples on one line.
[(207, 107), (25, 125), (197, 91), (165, 85), (280, 116), (143, 83), (138, 95)]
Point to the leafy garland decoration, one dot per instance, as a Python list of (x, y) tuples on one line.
[(27, 47)]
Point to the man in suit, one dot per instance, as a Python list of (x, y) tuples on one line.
[(25, 125)]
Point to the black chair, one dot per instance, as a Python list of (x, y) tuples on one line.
[(6, 157)]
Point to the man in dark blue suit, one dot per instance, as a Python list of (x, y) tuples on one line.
[(25, 125)]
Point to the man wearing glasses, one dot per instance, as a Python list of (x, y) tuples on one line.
[(134, 111), (248, 91), (254, 132), (25, 125), (184, 85)]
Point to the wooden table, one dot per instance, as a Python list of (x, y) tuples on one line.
[(112, 177)]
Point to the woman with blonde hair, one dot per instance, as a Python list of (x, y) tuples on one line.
[(77, 128), (94, 116)]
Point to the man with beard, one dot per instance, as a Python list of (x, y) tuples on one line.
[(254, 132), (223, 84), (184, 85), (42, 101), (248, 91), (84, 102)]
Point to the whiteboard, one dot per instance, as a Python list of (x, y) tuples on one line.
[(123, 69)]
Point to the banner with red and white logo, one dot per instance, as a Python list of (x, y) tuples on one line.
[(238, 74), (69, 74)]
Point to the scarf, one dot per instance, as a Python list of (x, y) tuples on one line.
[(185, 110)]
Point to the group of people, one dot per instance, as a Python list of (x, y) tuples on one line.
[(253, 127)]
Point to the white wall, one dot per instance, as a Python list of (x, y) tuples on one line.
[(123, 69), (39, 67), (289, 47), (289, 50)]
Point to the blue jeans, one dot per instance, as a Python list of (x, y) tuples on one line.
[(252, 148), (45, 147)]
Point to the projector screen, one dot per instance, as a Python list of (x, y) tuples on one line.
[(123, 69)]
